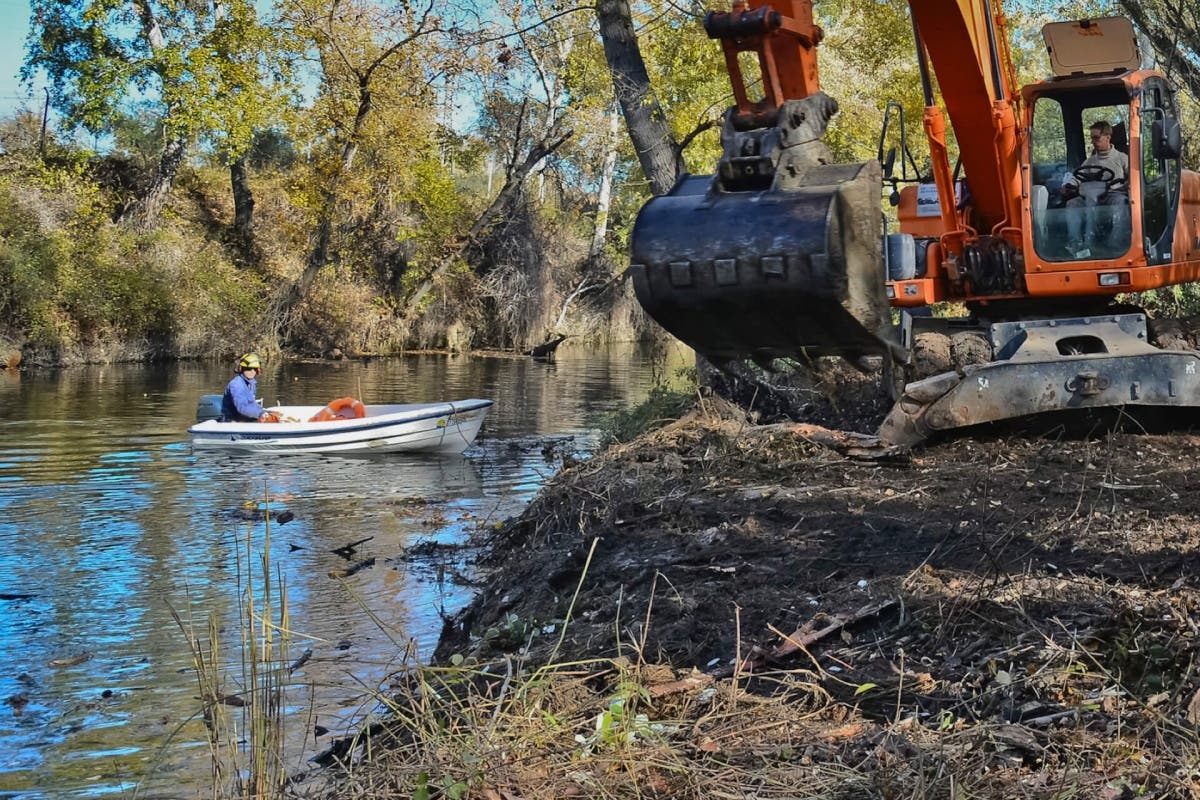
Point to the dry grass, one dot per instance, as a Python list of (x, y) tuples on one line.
[(624, 728), (245, 724)]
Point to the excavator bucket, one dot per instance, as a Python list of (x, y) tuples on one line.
[(789, 265)]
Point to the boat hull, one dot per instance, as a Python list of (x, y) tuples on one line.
[(426, 428)]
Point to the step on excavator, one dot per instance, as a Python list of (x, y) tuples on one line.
[(1068, 194)]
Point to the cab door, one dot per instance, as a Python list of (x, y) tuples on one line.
[(1160, 168)]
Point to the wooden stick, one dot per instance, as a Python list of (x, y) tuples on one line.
[(347, 550)]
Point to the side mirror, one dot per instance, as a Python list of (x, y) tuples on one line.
[(889, 162), (1166, 139)]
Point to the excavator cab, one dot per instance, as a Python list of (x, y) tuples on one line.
[(1080, 174), (1083, 205), (1097, 114)]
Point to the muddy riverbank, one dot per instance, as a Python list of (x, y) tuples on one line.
[(1008, 615)]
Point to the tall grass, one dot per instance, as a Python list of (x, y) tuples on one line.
[(245, 726)]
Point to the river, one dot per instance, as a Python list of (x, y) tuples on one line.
[(110, 525)]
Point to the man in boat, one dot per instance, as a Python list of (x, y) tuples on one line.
[(240, 403)]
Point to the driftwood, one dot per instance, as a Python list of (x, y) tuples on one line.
[(300, 662), (861, 446), (340, 748), (346, 551), (546, 350), (258, 514)]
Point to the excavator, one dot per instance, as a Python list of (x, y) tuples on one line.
[(783, 253)]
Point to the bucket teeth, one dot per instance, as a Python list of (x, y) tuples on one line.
[(767, 274)]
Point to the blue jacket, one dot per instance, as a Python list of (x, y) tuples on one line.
[(239, 403)]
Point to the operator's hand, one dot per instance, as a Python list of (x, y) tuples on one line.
[(269, 416)]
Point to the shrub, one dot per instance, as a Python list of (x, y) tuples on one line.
[(78, 287)]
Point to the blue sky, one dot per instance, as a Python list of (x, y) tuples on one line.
[(14, 22)]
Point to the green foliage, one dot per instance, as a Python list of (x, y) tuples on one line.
[(138, 135), (867, 60), (1181, 300), (207, 73), (272, 148), (71, 280), (434, 196), (662, 406)]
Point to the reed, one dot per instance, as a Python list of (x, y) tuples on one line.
[(245, 725)]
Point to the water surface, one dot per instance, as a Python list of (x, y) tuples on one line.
[(109, 521)]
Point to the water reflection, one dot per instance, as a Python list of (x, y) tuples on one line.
[(108, 521)]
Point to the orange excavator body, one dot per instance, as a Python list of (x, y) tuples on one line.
[(781, 253)]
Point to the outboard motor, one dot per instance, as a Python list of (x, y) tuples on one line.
[(208, 408)]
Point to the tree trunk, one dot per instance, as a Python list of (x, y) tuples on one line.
[(515, 180), (656, 147), (604, 197), (243, 200), (146, 210)]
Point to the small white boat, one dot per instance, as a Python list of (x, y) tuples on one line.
[(418, 428)]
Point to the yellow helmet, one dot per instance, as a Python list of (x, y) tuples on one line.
[(249, 361)]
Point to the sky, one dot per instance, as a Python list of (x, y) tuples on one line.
[(14, 23)]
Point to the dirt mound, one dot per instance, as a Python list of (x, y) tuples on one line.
[(824, 391), (714, 513), (1045, 585)]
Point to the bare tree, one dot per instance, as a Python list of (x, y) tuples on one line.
[(604, 193)]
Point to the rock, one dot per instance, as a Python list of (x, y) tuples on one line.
[(10, 353)]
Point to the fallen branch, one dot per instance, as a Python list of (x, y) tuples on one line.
[(301, 661), (347, 550), (852, 445), (805, 636), (694, 681)]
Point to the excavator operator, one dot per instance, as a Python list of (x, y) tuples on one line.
[(1107, 170)]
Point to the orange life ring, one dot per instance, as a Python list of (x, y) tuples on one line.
[(342, 408)]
